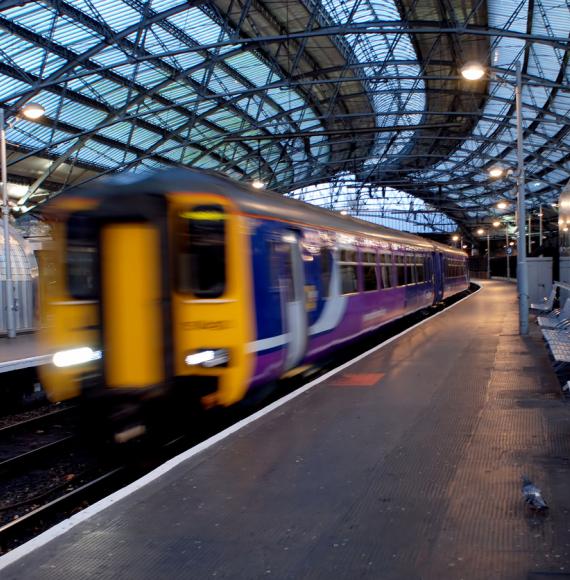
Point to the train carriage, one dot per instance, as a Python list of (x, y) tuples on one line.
[(188, 280)]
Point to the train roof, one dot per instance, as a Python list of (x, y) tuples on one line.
[(250, 201)]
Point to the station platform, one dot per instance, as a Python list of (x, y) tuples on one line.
[(21, 352), (405, 465)]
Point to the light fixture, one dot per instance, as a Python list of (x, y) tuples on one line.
[(258, 184), (455, 238), (343, 212), (464, 246), (33, 111), (511, 243), (472, 71), (480, 231), (208, 358), (496, 171), (496, 224), (502, 205)]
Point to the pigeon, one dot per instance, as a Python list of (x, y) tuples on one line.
[(532, 495)]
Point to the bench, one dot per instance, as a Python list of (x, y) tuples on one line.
[(557, 318), (559, 344), (548, 303)]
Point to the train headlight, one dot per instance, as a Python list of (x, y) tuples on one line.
[(208, 358), (75, 356)]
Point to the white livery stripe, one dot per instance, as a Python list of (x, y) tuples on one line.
[(268, 343)]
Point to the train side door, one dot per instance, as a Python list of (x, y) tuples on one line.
[(293, 298), (132, 295), (438, 276)]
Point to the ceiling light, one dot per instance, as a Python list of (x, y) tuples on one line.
[(33, 111), (455, 238), (496, 224), (480, 231), (496, 171), (258, 184), (472, 71), (502, 205), (343, 212)]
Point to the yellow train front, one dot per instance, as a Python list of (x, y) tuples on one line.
[(142, 292)]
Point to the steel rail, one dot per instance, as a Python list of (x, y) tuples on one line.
[(18, 461)]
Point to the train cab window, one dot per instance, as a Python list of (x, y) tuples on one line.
[(326, 271), (400, 270), (201, 251), (82, 257), (348, 271), (369, 271), (386, 268)]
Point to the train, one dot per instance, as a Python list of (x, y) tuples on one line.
[(186, 281)]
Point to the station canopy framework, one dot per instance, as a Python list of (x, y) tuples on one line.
[(334, 101)]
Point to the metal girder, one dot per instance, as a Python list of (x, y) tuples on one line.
[(317, 57), (383, 27), (174, 75)]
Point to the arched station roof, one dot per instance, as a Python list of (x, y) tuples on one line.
[(295, 92)]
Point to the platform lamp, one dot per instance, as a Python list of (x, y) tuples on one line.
[(475, 71), (30, 111), (455, 239)]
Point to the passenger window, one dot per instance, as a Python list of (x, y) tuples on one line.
[(348, 271), (386, 267), (369, 271), (201, 251), (273, 250), (400, 271), (420, 269), (326, 271), (410, 269)]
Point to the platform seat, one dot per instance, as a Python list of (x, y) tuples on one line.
[(558, 341), (558, 318), (548, 303)]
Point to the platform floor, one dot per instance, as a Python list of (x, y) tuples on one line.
[(405, 466), (21, 352)]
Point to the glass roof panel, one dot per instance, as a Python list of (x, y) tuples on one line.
[(10, 86), (201, 104), (116, 14)]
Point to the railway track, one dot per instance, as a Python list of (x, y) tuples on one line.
[(28, 458), (35, 438), (36, 422), (36, 520)]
